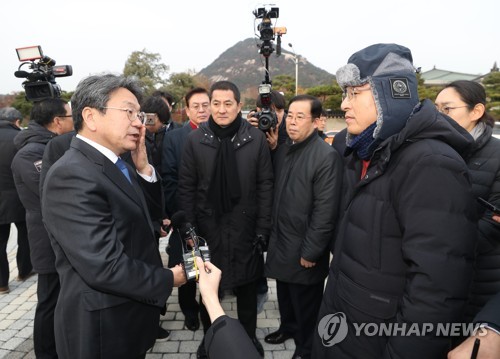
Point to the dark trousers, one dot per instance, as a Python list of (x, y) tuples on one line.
[(246, 301), (24, 266), (43, 330), (187, 300), (299, 306)]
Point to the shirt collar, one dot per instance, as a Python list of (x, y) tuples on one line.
[(105, 151)]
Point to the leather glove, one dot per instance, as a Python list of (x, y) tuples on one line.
[(260, 243)]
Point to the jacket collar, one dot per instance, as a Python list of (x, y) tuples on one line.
[(110, 170), (242, 137)]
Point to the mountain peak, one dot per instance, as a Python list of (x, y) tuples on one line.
[(243, 65)]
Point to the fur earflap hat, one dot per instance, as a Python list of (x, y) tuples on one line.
[(389, 70)]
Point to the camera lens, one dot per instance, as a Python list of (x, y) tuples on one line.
[(264, 123)]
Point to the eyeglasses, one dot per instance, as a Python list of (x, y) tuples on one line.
[(65, 116), (132, 114), (446, 109), (199, 106), (351, 93), (299, 117)]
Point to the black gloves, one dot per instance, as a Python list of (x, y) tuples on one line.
[(260, 243)]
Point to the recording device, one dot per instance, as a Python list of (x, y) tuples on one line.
[(489, 205), (150, 119), (41, 83), (267, 118), (198, 249)]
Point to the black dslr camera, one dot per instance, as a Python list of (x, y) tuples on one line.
[(199, 247), (40, 84), (267, 118)]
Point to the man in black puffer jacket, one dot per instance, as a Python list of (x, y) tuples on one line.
[(308, 175), (49, 118), (403, 257)]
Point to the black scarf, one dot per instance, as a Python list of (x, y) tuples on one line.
[(224, 191)]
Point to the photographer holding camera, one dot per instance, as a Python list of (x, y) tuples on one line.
[(277, 134)]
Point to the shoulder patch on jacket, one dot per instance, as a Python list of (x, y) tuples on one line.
[(38, 165)]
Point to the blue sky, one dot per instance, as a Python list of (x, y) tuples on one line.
[(98, 36)]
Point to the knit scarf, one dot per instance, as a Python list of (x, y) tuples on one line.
[(363, 144), (224, 191)]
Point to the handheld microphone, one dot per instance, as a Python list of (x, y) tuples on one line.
[(178, 219), (187, 230), (21, 74)]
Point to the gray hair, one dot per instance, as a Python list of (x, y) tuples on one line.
[(10, 114), (95, 91)]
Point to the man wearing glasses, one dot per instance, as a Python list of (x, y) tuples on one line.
[(403, 256), (49, 118), (97, 211), (308, 176), (198, 111)]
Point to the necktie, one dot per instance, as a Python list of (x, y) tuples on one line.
[(123, 167)]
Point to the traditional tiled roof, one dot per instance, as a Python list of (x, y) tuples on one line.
[(437, 77)]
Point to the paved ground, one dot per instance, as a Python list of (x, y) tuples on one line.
[(17, 310)]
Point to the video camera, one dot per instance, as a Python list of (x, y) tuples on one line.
[(267, 118), (40, 84), (199, 246)]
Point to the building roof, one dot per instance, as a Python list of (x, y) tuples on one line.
[(437, 77)]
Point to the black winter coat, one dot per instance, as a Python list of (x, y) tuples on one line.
[(484, 167), (172, 147), (11, 208), (306, 198), (231, 236), (26, 168), (404, 253)]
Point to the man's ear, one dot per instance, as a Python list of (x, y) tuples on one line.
[(315, 122), (89, 116)]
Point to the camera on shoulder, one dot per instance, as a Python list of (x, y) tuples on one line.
[(40, 83)]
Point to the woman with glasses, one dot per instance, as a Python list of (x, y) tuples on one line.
[(465, 102)]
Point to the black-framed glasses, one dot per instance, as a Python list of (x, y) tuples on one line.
[(131, 114), (446, 109), (351, 93), (65, 116)]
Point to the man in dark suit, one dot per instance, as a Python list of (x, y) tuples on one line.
[(198, 111), (97, 211)]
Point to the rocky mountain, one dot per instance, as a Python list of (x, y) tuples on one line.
[(243, 65)]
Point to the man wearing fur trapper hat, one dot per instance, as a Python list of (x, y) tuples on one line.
[(404, 251)]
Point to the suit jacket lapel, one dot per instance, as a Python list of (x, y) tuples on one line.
[(109, 169)]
